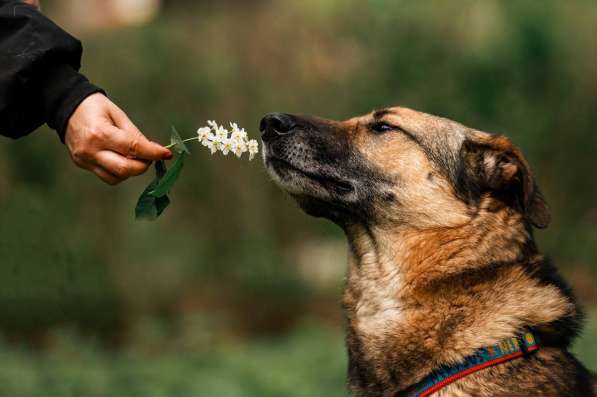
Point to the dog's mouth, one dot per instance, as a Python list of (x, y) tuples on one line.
[(286, 170)]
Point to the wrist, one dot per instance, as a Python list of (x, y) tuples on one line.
[(62, 92)]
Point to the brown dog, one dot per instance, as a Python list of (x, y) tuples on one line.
[(442, 258)]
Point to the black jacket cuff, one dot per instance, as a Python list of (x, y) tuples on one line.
[(63, 90)]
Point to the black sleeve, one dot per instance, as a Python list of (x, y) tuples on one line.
[(39, 79)]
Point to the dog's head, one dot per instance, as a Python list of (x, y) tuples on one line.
[(397, 166)]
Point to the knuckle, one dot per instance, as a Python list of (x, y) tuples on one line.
[(108, 179), (133, 147), (81, 154), (121, 170), (96, 136), (143, 168)]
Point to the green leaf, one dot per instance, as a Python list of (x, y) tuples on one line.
[(167, 181), (179, 145), (160, 204), (154, 199), (150, 207)]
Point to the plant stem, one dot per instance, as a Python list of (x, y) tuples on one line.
[(195, 138)]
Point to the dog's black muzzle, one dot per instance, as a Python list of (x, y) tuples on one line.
[(314, 160), (274, 125)]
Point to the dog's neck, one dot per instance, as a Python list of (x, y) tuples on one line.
[(416, 299), (421, 257)]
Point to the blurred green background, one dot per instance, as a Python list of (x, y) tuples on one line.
[(234, 291)]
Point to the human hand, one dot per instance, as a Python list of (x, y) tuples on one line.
[(101, 138), (34, 3)]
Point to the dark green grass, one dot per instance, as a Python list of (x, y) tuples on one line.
[(308, 362)]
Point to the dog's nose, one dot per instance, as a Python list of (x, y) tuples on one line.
[(276, 124)]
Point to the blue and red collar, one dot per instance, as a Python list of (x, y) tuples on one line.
[(506, 350)]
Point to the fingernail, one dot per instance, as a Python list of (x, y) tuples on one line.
[(168, 156)]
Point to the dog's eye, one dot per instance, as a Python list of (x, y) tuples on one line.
[(380, 127)]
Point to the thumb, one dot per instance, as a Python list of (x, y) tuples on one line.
[(121, 120), (143, 149), (134, 144)]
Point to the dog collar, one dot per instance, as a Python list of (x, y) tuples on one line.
[(506, 350)]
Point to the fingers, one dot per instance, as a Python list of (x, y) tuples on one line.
[(119, 166), (135, 145), (105, 176), (101, 138), (112, 168)]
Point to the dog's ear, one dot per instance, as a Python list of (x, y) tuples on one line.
[(493, 163)]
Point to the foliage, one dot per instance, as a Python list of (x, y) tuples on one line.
[(310, 362), (70, 254), (154, 200)]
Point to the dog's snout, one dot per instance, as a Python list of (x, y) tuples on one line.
[(276, 124)]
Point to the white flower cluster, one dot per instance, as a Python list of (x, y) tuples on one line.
[(217, 138)]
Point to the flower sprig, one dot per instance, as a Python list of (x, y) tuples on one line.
[(154, 199), (217, 138)]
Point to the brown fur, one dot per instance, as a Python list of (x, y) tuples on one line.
[(442, 258)]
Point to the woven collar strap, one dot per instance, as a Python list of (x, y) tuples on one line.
[(506, 350)]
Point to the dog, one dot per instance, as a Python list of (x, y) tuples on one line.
[(446, 291)]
